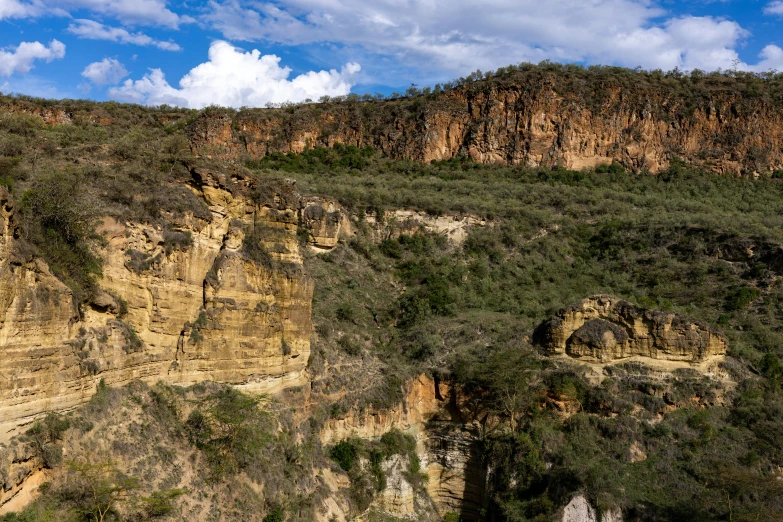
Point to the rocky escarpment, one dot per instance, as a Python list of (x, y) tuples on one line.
[(184, 302), (605, 328), (533, 119)]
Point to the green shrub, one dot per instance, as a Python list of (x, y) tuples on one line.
[(44, 436), (740, 298), (276, 515), (395, 442), (253, 246), (176, 240), (771, 368), (346, 312), (344, 454), (21, 124), (140, 262), (133, 342), (12, 145), (160, 503)]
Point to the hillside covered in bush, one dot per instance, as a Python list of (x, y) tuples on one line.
[(442, 273)]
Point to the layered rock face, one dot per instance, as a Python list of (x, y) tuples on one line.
[(184, 304), (605, 328), (447, 446), (542, 121)]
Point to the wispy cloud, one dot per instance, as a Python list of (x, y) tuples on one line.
[(774, 8), (458, 35), (17, 9), (93, 30), (139, 12)]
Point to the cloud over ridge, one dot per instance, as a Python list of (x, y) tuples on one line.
[(236, 78)]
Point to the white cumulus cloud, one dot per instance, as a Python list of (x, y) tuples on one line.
[(20, 59), (774, 8), (771, 60), (236, 78), (107, 71), (93, 30), (460, 35)]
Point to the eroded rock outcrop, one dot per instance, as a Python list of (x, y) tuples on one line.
[(183, 302), (393, 223), (447, 446), (606, 328)]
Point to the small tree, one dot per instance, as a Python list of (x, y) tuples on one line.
[(507, 376), (231, 432), (100, 487), (160, 503), (44, 435)]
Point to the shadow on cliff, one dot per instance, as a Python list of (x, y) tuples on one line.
[(460, 478)]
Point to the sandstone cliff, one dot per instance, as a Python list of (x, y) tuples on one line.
[(185, 304), (532, 119), (605, 328)]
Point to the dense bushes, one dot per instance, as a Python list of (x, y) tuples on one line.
[(254, 247)]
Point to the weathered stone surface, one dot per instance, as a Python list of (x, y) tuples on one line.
[(454, 227), (580, 510), (398, 498), (183, 314), (20, 475), (324, 220), (605, 328)]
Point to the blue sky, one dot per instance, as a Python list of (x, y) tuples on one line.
[(250, 53)]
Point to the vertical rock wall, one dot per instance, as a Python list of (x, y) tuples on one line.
[(183, 313)]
